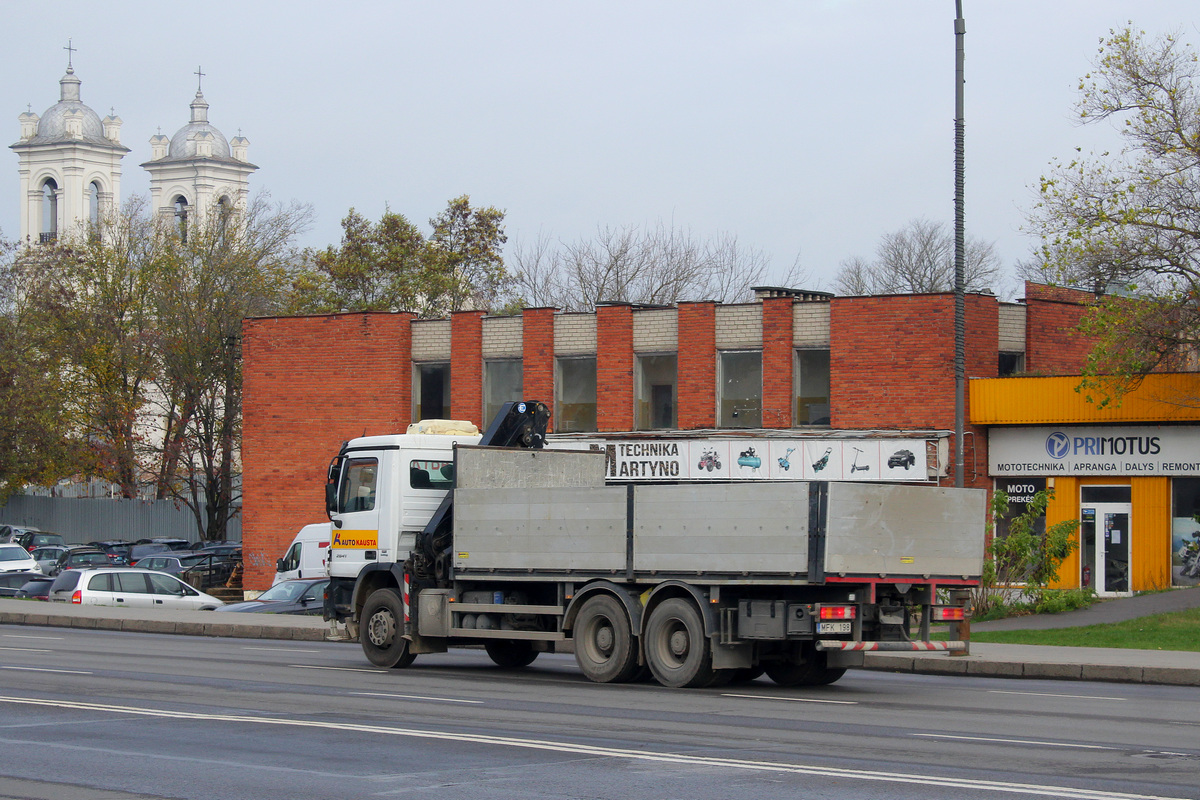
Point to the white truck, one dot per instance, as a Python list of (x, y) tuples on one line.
[(451, 539)]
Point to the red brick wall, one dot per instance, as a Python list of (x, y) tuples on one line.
[(697, 364), (1052, 345), (309, 384), (466, 366), (892, 363), (614, 368), (777, 362), (537, 330)]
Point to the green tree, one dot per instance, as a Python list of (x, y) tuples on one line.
[(1127, 225), (465, 250)]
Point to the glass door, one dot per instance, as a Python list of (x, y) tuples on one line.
[(1104, 532)]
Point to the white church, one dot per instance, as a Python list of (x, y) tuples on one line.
[(70, 167)]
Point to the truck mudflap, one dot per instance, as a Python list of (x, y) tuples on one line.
[(908, 647)]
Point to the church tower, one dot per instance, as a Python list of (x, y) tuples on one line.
[(197, 169), (70, 165)]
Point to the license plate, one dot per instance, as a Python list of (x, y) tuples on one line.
[(833, 627)]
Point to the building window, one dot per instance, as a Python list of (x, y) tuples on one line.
[(740, 379), (503, 380), (656, 391), (93, 200), (224, 210), (181, 217), (575, 395), (811, 375), (1011, 364), (1185, 531), (431, 391), (49, 230)]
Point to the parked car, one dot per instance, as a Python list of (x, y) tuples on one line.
[(203, 569), (11, 582), (15, 558), (172, 544), (139, 551), (47, 555), (36, 588), (32, 539), (287, 597), (117, 550), (77, 557), (9, 533), (128, 587)]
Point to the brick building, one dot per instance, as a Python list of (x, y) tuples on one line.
[(801, 364)]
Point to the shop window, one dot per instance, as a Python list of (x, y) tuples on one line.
[(657, 385), (811, 378), (1020, 493), (575, 395), (1185, 531), (431, 391), (740, 379), (503, 380), (1011, 364)]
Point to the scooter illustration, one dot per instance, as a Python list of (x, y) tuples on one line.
[(709, 460), (783, 460), (854, 467), (822, 462), (747, 458)]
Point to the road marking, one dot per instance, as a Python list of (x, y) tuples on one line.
[(47, 669), (791, 699), (418, 697), (342, 669), (27, 636), (279, 650), (1048, 694), (27, 649), (1005, 787), (997, 740)]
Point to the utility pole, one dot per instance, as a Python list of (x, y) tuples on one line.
[(960, 333)]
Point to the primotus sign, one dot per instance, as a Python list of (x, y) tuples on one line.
[(1064, 450)]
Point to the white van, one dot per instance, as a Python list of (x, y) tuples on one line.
[(305, 557)]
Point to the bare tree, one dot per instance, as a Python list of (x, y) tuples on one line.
[(660, 265), (919, 258)]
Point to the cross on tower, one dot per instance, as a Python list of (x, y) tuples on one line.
[(199, 78), (70, 52)]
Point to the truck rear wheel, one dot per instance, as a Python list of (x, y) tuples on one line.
[(813, 671), (380, 633), (510, 653), (676, 647), (603, 640)]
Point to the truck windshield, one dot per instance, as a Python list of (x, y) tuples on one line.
[(358, 485)]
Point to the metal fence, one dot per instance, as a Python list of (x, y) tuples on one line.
[(85, 520)]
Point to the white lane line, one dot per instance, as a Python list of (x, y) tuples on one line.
[(279, 650), (26, 649), (27, 636), (342, 669), (998, 740), (1048, 694), (47, 669), (791, 699), (418, 697), (1006, 787)]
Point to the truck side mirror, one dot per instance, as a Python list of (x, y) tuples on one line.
[(330, 498), (279, 565)]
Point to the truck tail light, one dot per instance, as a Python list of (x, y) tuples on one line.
[(948, 614), (837, 612), (77, 597)]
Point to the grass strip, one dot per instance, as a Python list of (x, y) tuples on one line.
[(1175, 630)]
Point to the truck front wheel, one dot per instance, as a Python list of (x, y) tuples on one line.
[(676, 647), (604, 647), (380, 632)]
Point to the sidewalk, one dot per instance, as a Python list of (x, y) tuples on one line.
[(986, 660)]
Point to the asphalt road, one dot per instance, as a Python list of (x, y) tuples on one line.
[(100, 715)]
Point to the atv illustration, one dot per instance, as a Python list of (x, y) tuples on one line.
[(709, 460)]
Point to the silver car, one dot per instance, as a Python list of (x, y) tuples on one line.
[(128, 587)]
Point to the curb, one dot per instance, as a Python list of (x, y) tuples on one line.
[(1105, 673), (237, 630)]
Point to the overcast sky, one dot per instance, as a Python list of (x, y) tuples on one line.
[(807, 128)]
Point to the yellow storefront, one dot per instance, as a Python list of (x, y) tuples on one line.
[(1129, 472)]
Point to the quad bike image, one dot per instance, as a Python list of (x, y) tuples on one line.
[(854, 467), (822, 462), (747, 458), (783, 460), (709, 460)]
